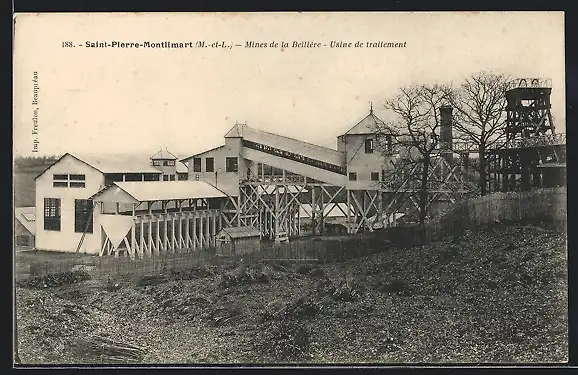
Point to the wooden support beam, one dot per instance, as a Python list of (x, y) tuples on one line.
[(207, 229), (187, 230), (194, 230), (133, 233), (150, 245), (129, 249), (158, 235), (348, 215), (142, 245), (173, 238), (313, 210)]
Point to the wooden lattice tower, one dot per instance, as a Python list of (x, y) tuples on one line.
[(533, 154)]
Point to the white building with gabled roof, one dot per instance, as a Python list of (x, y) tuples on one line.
[(65, 216)]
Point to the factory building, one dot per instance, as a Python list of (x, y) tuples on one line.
[(66, 218), (270, 183)]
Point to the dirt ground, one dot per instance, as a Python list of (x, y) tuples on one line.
[(498, 295)]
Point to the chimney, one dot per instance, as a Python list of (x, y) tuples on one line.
[(446, 138)]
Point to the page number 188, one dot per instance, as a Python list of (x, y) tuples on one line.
[(67, 44)]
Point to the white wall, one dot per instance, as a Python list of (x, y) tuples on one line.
[(361, 163), (66, 239), (230, 180)]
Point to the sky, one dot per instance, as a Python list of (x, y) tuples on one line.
[(127, 100)]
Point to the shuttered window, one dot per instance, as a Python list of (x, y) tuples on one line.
[(83, 215)]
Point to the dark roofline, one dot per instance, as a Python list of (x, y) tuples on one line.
[(359, 122), (160, 152), (60, 158), (199, 153)]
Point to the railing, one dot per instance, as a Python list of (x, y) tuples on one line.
[(541, 140), (529, 83)]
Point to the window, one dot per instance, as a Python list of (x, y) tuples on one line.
[(165, 177), (65, 180), (196, 164), (133, 177), (210, 164), (52, 214), (171, 177), (60, 180), (83, 215), (232, 164), (77, 180), (374, 176), (151, 177), (352, 176), (109, 178), (389, 142), (369, 146), (169, 163), (156, 163)]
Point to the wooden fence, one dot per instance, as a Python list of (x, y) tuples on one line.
[(546, 205), (300, 251), (541, 205)]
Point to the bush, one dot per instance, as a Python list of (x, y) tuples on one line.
[(303, 269), (151, 280), (284, 342), (56, 279), (346, 291), (111, 285), (242, 276), (397, 286), (317, 272), (302, 307)]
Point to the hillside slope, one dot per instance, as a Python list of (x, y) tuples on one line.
[(498, 295)]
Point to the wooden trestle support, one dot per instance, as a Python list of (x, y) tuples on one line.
[(448, 182), (187, 227)]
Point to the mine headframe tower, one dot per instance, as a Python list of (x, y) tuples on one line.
[(532, 155)]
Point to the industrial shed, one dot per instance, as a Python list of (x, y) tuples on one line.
[(25, 226), (238, 240)]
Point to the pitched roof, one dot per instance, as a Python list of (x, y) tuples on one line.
[(242, 232), (237, 131), (162, 190), (164, 154), (368, 125), (184, 160), (27, 217), (118, 163)]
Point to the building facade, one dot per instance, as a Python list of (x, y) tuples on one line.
[(66, 219)]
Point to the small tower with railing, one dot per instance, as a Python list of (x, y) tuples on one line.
[(166, 162), (533, 154)]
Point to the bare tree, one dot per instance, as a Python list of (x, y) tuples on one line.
[(416, 133), (480, 119)]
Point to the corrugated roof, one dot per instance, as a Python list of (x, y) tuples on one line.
[(164, 154), (123, 163), (21, 213), (368, 125), (200, 153), (296, 146), (168, 190), (242, 232)]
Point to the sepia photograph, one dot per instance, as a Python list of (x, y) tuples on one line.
[(289, 189)]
